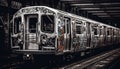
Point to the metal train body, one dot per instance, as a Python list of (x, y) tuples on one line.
[(44, 30)]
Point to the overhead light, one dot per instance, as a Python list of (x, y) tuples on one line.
[(104, 16), (90, 8), (108, 3), (113, 11), (82, 4), (95, 11), (99, 11), (113, 8), (116, 16), (99, 14), (66, 0)]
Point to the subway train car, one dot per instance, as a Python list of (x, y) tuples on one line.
[(44, 30)]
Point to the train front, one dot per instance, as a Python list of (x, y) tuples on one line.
[(34, 31)]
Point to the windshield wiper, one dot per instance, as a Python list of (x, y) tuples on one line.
[(49, 18)]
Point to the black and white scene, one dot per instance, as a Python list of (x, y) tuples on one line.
[(59, 34)]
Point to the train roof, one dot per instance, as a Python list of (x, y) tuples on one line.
[(64, 13)]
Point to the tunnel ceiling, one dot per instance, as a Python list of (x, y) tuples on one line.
[(107, 11)]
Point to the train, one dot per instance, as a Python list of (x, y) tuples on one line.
[(45, 30)]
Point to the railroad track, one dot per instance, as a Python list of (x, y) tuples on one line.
[(95, 62), (10, 61), (92, 62)]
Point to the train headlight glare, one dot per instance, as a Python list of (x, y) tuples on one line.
[(28, 55)]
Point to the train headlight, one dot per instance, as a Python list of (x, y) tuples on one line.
[(27, 55)]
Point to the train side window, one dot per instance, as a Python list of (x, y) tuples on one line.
[(108, 31), (114, 32), (95, 30), (117, 33), (17, 22), (100, 31), (61, 27), (88, 27), (68, 26), (79, 29), (67, 23)]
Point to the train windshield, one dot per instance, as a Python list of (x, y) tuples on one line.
[(17, 22), (32, 24), (47, 23)]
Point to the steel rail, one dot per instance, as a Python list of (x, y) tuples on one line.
[(87, 62)]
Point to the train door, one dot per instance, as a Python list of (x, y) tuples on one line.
[(67, 33), (95, 35), (115, 36), (88, 26), (112, 37), (109, 36), (31, 32), (81, 37), (105, 34), (101, 35)]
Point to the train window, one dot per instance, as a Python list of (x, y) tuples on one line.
[(17, 22), (88, 27), (109, 31), (101, 31), (67, 24), (95, 30), (80, 29), (68, 30), (114, 32), (47, 23), (32, 24)]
